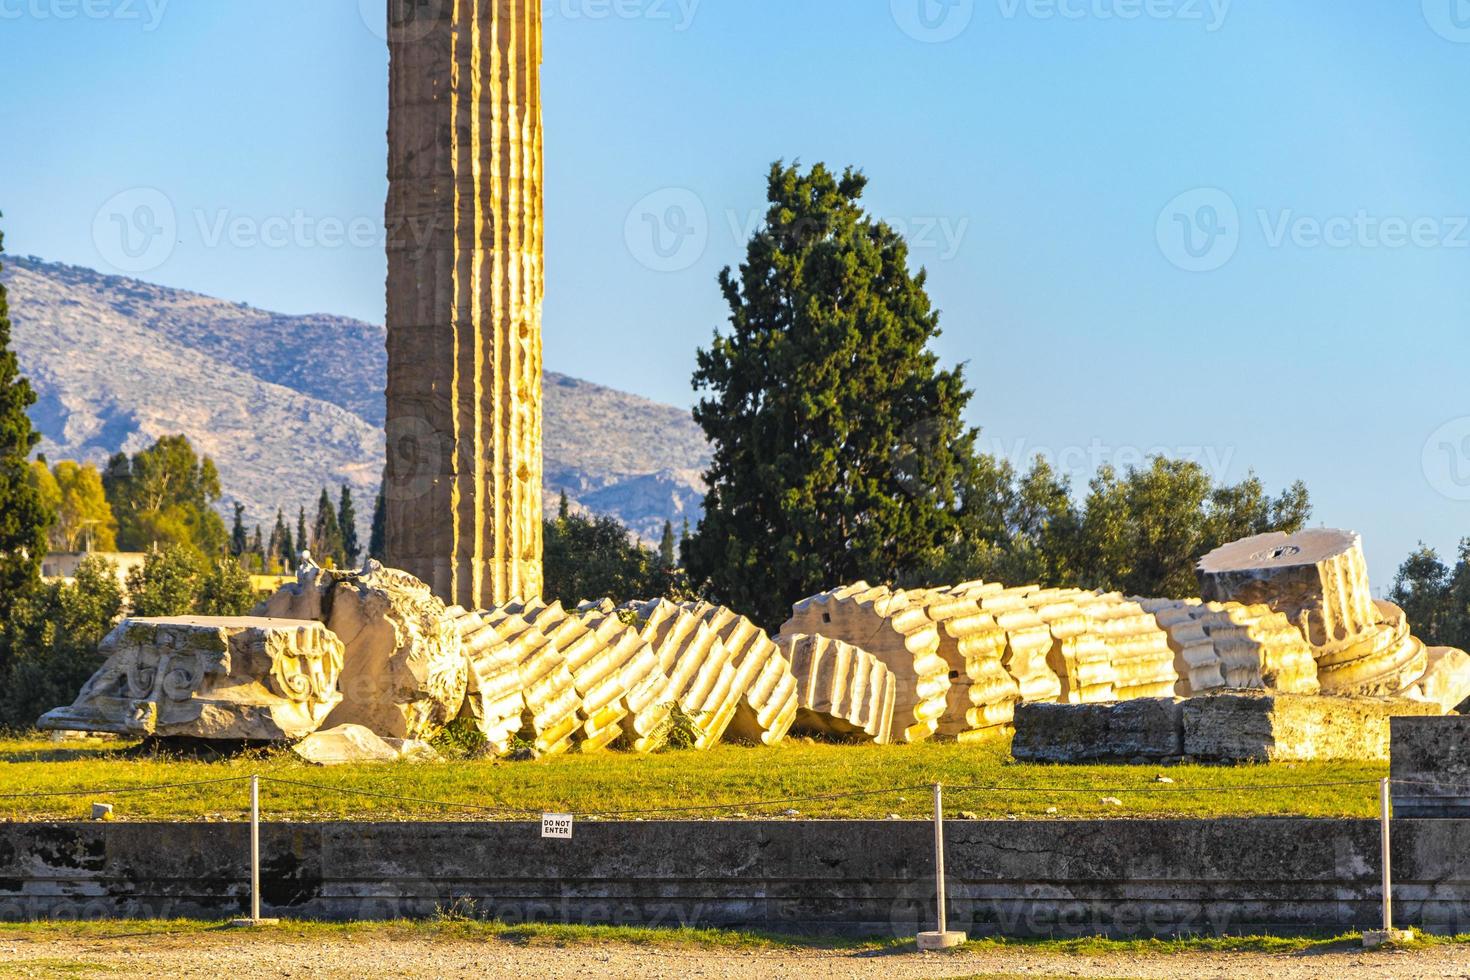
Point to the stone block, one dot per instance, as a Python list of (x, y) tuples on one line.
[(1292, 728), (344, 745), (247, 679), (1430, 767), (1141, 730)]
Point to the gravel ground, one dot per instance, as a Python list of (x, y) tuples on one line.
[(237, 955)]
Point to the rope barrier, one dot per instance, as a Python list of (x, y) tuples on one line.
[(1158, 788), (131, 790)]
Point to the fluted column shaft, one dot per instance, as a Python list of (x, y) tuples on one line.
[(465, 288)]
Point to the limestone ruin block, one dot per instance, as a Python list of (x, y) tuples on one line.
[(1318, 578), (465, 247), (252, 679), (841, 690), (899, 634), (620, 683), (1270, 727), (767, 688), (700, 671), (493, 699), (1140, 731), (1259, 648), (1138, 648), (982, 695), (346, 745), (1381, 660), (404, 672), (1195, 660), (1079, 656), (1445, 681)]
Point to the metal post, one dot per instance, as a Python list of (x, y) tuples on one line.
[(255, 919), (255, 848), (1387, 934), (939, 858), (1385, 798), (943, 939)]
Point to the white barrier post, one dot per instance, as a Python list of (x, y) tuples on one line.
[(1387, 934), (943, 938), (255, 919)]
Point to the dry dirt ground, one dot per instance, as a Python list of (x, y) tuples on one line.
[(238, 956)]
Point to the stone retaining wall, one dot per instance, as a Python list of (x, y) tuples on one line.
[(1032, 878)]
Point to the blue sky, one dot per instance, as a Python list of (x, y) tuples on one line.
[(1229, 229)]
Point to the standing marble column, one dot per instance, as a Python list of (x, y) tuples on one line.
[(465, 287)]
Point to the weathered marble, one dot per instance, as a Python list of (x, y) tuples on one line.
[(404, 673), (245, 679), (1318, 578), (841, 690), (1293, 728)]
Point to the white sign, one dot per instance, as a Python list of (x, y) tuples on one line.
[(556, 825)]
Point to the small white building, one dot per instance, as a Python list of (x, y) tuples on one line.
[(63, 565)]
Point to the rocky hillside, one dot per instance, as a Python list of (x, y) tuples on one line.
[(286, 404)]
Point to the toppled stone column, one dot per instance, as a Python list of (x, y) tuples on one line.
[(1318, 578), (237, 679), (1195, 660), (701, 673), (899, 634), (618, 677), (841, 690), (465, 286), (1383, 659), (767, 688), (1445, 681)]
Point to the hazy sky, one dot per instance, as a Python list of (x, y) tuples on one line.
[(1230, 230)]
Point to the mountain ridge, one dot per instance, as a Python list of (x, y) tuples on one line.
[(288, 403)]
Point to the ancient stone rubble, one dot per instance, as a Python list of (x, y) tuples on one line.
[(983, 695), (1382, 659), (841, 690), (767, 689), (618, 678), (700, 670), (237, 679), (1445, 681), (899, 634), (404, 672)]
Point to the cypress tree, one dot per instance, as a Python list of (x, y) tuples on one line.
[(303, 543), (25, 521), (563, 507), (347, 525), (838, 447), (326, 537), (666, 555), (378, 539), (239, 539)]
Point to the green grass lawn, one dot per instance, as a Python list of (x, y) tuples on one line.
[(756, 781)]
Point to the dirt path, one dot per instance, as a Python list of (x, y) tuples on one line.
[(238, 956)]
